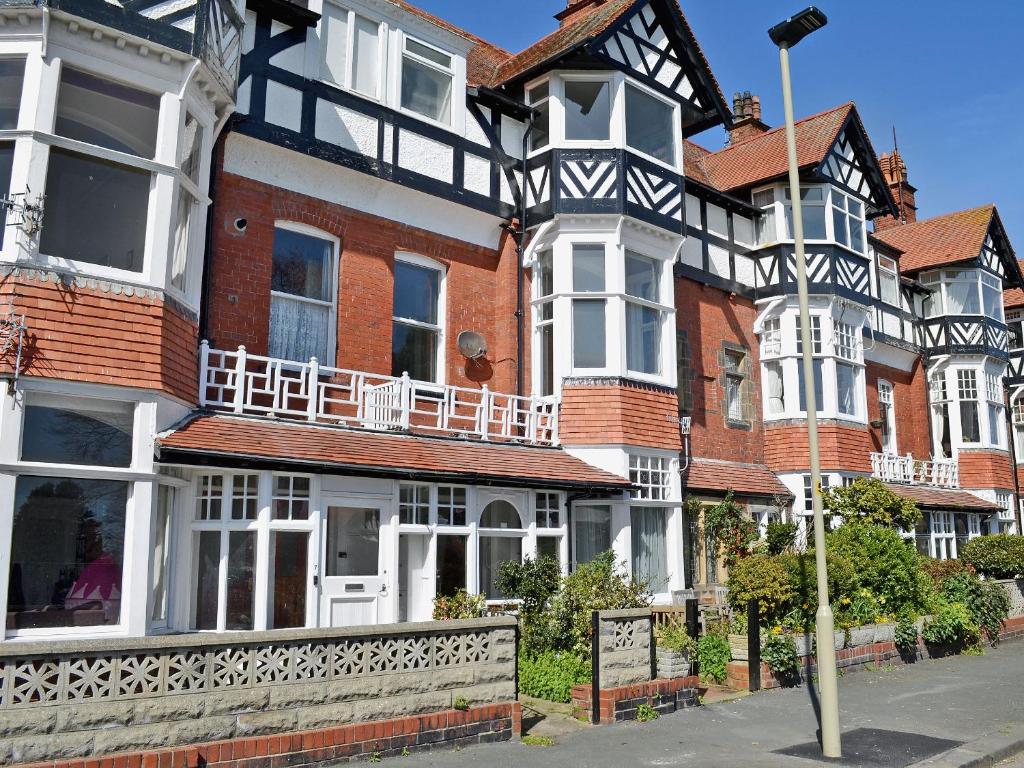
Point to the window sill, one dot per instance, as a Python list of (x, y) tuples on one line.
[(743, 425)]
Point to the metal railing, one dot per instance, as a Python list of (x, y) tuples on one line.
[(241, 383), (893, 468)]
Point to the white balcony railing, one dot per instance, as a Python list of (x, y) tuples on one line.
[(241, 383), (942, 473)]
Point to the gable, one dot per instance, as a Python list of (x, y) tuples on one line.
[(851, 165), (652, 43)]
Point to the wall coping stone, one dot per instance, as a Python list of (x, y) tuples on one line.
[(16, 648), (625, 613)]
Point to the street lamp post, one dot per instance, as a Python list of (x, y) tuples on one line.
[(785, 35)]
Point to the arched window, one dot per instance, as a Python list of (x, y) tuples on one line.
[(501, 541)]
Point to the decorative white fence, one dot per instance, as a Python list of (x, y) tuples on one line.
[(942, 473), (250, 384)]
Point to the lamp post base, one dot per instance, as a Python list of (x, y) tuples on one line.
[(828, 685)]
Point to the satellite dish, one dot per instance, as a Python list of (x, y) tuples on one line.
[(472, 345)]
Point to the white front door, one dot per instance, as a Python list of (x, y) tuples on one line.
[(354, 577)]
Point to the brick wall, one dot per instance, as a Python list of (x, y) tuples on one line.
[(480, 290), (910, 399), (843, 447), (983, 469), (710, 317), (618, 412), (90, 330)]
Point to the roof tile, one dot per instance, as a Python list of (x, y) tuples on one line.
[(319, 445), (1014, 297), (742, 479), (947, 239), (942, 498)]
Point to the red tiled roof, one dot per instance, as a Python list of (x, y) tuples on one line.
[(335, 449), (945, 239), (928, 497), (693, 163), (763, 157), (742, 479), (1014, 297)]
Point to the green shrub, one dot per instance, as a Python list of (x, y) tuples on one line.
[(674, 637), (594, 586), (940, 570), (999, 557), (802, 572), (988, 602), (780, 537), (870, 501), (713, 655), (883, 563), (461, 605), (645, 713), (952, 626), (729, 525), (552, 675), (905, 635), (779, 653), (764, 578), (534, 582)]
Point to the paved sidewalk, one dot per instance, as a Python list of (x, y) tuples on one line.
[(961, 698)]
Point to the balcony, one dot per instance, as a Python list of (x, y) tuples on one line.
[(892, 468), (241, 383)]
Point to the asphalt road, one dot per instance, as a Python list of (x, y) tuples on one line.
[(961, 698)]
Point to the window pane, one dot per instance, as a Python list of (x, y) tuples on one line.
[(79, 434), (845, 389), (192, 148), (548, 546), (299, 330), (650, 551), (588, 267), (241, 580), (416, 292), (12, 75), (541, 133), (649, 125), (500, 514), (888, 288), (95, 211), (426, 91), (414, 351), (290, 553), (182, 226), (353, 541), (839, 226), (367, 56), (495, 550), (819, 393), (301, 265), (643, 339), (969, 423), (962, 297), (450, 573), (993, 298), (6, 161), (67, 545), (159, 560), (587, 110), (641, 276), (538, 92), (428, 53), (334, 44), (207, 578), (546, 358), (814, 220), (108, 114), (857, 235), (592, 531), (588, 347)]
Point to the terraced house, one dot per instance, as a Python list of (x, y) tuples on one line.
[(315, 312)]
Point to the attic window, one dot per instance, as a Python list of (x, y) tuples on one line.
[(587, 105), (650, 124), (351, 50), (427, 76)]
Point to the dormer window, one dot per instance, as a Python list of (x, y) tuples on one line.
[(812, 206), (650, 125), (351, 46), (848, 221), (588, 107), (427, 76), (963, 292)]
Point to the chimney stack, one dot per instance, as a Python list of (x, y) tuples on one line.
[(747, 124), (574, 9), (894, 171)]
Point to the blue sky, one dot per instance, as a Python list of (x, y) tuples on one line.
[(947, 74)]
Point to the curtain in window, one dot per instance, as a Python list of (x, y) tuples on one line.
[(962, 298), (593, 532), (650, 553), (775, 387), (845, 378), (969, 423), (299, 330)]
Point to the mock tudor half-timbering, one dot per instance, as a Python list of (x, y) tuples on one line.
[(332, 309)]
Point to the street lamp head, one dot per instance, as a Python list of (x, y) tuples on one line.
[(788, 33)]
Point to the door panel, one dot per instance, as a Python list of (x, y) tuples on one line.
[(354, 581)]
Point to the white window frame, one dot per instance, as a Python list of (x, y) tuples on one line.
[(616, 127), (652, 475), (335, 268), (382, 42), (835, 196), (539, 303), (677, 135), (887, 415), (939, 282), (442, 308), (888, 273), (452, 71), (549, 99)]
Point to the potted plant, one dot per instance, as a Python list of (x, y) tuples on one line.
[(674, 650)]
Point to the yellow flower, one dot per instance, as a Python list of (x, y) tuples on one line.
[(845, 601), (777, 630)]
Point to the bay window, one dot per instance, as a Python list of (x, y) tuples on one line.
[(643, 321), (301, 296), (427, 79), (888, 281), (812, 206), (847, 350), (417, 319), (817, 350), (848, 221), (963, 292), (351, 50), (650, 125), (587, 107)]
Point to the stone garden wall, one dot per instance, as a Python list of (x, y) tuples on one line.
[(624, 647), (1015, 589), (63, 700)]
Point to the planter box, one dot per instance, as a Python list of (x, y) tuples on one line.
[(672, 664)]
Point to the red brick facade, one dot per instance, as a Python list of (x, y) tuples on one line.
[(985, 470), (844, 447), (712, 319), (480, 283), (910, 401), (88, 330), (629, 413)]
